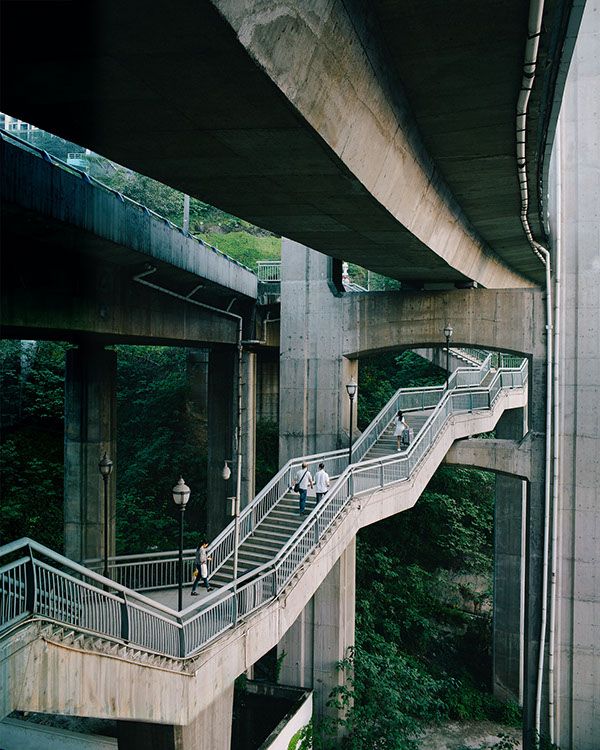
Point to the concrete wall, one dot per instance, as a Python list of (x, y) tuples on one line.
[(577, 223)]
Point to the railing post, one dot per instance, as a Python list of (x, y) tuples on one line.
[(30, 584), (181, 640), (381, 473), (124, 619), (470, 401), (234, 607)]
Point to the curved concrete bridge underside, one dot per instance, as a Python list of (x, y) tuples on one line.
[(65, 675), (380, 133)]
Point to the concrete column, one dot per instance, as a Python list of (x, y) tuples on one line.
[(577, 217), (210, 730), (312, 401), (248, 426), (322, 635), (509, 571), (90, 430), (267, 396), (534, 538), (197, 393), (222, 417)]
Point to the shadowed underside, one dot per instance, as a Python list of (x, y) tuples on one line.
[(378, 133)]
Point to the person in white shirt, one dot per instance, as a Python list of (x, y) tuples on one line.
[(321, 482), (402, 437), (303, 481)]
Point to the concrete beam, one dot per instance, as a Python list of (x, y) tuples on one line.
[(65, 298), (509, 320), (44, 203), (512, 457)]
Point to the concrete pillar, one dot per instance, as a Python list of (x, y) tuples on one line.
[(197, 394), (509, 571), (534, 538), (222, 418), (267, 396), (210, 730), (577, 217), (322, 635), (90, 430), (313, 402), (248, 426)]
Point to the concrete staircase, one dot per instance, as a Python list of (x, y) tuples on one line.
[(386, 445), (270, 536)]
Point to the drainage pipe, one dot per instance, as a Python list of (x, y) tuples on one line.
[(552, 694), (536, 11), (141, 279)]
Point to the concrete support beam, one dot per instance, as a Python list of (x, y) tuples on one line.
[(322, 635), (502, 456), (509, 320), (210, 730), (90, 430), (222, 417)]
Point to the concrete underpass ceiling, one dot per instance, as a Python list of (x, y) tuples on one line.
[(169, 90)]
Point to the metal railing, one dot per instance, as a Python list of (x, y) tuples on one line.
[(159, 570), (67, 593), (269, 270)]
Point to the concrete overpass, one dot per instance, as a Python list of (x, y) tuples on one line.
[(408, 179), (348, 127)]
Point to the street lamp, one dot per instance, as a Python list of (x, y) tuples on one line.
[(448, 335), (105, 466), (351, 388), (181, 494)]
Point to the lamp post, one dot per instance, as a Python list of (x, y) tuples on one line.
[(448, 335), (181, 494), (105, 466), (351, 389)]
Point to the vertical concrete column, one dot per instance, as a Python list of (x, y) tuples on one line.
[(210, 730), (509, 570), (222, 418), (322, 634), (197, 394), (90, 430), (267, 397), (248, 426), (577, 218), (312, 400), (534, 544)]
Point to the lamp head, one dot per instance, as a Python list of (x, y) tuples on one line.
[(351, 388), (105, 465), (181, 493), (226, 473), (448, 331)]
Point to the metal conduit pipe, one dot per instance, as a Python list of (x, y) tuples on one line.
[(536, 10), (141, 279), (552, 695)]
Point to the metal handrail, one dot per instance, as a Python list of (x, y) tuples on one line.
[(119, 613), (140, 571)]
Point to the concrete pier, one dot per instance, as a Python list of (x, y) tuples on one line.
[(90, 430)]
